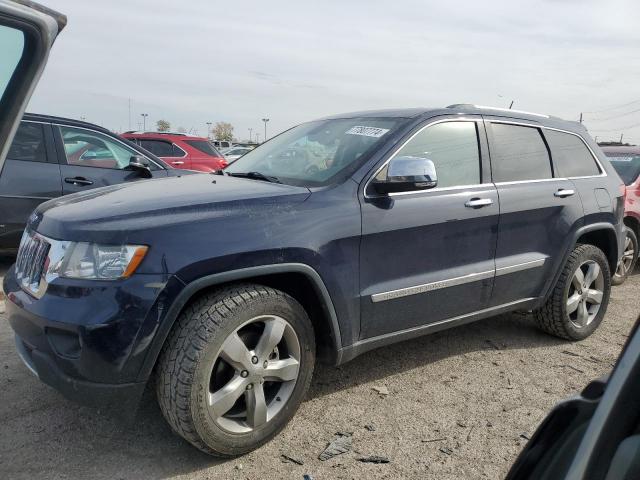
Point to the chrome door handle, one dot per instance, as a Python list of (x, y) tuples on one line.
[(478, 202), (178, 162), (564, 192)]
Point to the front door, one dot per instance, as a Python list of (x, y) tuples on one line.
[(428, 256), (93, 159)]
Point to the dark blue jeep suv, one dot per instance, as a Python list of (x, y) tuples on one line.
[(338, 236)]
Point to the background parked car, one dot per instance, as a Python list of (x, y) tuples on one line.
[(53, 156), (626, 161), (180, 150), (234, 153)]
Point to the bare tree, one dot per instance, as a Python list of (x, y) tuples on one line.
[(163, 126), (223, 131), (182, 130)]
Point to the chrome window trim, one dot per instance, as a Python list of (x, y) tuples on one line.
[(436, 189), (115, 139), (544, 127), (395, 152), (178, 147), (593, 155), (455, 281)]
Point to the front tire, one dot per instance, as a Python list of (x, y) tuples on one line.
[(235, 368), (629, 258), (580, 297)]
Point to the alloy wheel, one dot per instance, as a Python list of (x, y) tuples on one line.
[(624, 265), (253, 374), (585, 294)]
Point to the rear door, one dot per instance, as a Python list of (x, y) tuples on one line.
[(427, 257), (539, 209), (30, 176), (26, 36), (90, 159)]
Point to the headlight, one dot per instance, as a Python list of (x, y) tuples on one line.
[(93, 261)]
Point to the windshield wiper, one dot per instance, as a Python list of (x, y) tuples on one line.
[(255, 176)]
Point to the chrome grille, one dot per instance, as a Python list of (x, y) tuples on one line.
[(32, 256)]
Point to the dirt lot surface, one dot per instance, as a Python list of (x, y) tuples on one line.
[(461, 404)]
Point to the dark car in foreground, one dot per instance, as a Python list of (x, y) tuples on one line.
[(626, 161), (54, 156), (393, 224), (594, 435)]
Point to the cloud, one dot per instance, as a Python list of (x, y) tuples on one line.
[(294, 61)]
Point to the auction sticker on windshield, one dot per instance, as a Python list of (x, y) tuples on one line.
[(367, 131)]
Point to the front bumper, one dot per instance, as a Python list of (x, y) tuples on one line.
[(125, 396), (90, 339)]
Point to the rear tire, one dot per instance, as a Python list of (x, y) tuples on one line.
[(235, 368), (579, 300), (629, 258)]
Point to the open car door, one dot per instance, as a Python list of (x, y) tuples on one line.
[(594, 435), (27, 32)]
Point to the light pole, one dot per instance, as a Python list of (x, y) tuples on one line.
[(144, 121), (208, 129), (250, 130), (257, 137), (265, 120)]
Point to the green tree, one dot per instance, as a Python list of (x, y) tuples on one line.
[(163, 126), (223, 131)]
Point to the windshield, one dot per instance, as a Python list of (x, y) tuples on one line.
[(204, 147), (313, 153), (628, 167)]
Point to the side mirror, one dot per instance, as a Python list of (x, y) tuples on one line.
[(405, 174), (141, 165)]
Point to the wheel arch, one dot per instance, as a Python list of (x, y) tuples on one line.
[(296, 279), (602, 235), (633, 223)]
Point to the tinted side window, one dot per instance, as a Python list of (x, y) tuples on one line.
[(28, 144), (571, 157), (518, 153), (159, 148), (453, 148)]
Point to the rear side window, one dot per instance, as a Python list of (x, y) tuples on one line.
[(204, 147), (453, 149), (571, 157), (518, 153), (161, 148), (28, 144)]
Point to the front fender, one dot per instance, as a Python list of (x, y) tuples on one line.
[(192, 288)]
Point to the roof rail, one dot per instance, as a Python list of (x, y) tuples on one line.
[(507, 110)]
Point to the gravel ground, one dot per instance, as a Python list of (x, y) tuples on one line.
[(461, 404)]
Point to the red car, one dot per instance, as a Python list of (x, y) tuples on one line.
[(180, 150), (626, 161)]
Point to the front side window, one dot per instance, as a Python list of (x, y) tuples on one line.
[(571, 157), (453, 149), (518, 153), (92, 149), (28, 144), (627, 166), (315, 153)]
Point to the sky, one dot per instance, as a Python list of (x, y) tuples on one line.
[(291, 61)]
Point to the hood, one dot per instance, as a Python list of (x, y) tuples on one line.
[(157, 203)]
